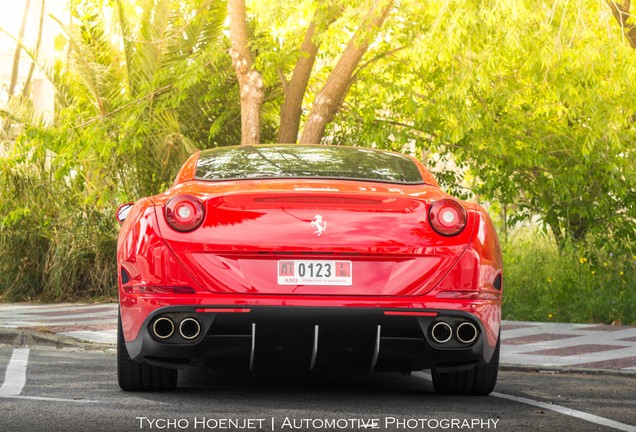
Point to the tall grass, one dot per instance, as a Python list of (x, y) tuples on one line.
[(580, 284), (62, 264), (56, 242)]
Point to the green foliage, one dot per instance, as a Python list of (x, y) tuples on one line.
[(572, 284), (522, 100), (55, 241), (118, 134), (523, 104)]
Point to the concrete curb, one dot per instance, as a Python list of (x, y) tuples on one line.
[(565, 370), (32, 338)]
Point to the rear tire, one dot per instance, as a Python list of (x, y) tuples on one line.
[(480, 380), (137, 376)]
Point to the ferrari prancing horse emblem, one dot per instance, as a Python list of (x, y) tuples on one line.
[(319, 225)]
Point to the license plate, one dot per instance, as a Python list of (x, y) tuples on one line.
[(314, 272)]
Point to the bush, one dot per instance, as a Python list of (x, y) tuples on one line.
[(123, 125), (575, 284), (56, 242)]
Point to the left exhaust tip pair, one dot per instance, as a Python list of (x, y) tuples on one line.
[(164, 328)]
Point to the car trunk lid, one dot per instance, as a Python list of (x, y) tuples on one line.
[(379, 242)]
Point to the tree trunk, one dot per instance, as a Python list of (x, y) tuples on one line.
[(18, 49), (558, 237), (621, 13), (27, 84), (331, 96), (250, 80), (290, 111)]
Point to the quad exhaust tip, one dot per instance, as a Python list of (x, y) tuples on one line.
[(466, 332), (441, 332), (189, 328), (163, 328)]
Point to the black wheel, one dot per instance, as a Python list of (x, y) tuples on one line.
[(480, 380), (136, 376)]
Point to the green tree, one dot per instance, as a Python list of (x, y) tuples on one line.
[(524, 104), (624, 18), (524, 101), (333, 90), (117, 134)]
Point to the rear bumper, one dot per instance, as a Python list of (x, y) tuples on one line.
[(255, 337)]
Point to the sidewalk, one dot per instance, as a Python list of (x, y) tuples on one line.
[(524, 344), (96, 323)]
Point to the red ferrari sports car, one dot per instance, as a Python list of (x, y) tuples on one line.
[(311, 257)]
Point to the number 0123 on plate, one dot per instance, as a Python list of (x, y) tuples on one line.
[(314, 272)]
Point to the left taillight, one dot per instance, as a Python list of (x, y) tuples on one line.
[(447, 217), (184, 213)]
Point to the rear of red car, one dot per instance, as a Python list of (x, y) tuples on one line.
[(309, 257)]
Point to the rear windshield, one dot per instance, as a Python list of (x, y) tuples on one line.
[(297, 161)]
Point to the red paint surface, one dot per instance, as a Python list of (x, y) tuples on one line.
[(575, 350), (607, 328), (620, 363), (544, 337), (515, 326)]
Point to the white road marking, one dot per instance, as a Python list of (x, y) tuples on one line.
[(15, 376), (556, 408), (49, 399), (567, 411), (15, 379)]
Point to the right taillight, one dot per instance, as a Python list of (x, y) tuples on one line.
[(447, 217), (184, 213)]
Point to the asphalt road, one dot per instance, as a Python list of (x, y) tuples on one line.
[(74, 390)]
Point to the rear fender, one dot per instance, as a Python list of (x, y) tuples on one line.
[(144, 260), (477, 277)]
